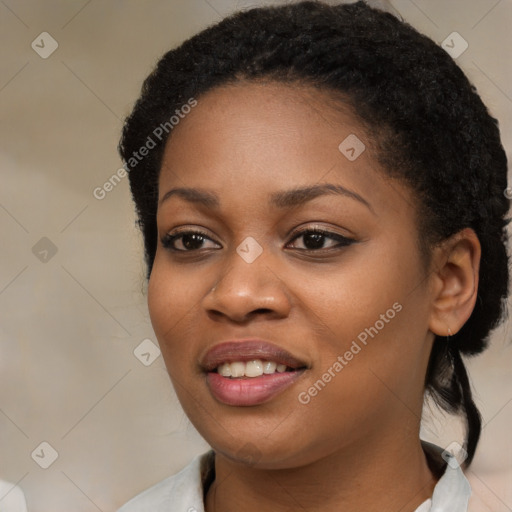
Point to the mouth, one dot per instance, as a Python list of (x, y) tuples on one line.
[(249, 372), (252, 369)]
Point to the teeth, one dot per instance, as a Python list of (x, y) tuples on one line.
[(254, 368), (225, 370), (269, 367), (237, 369)]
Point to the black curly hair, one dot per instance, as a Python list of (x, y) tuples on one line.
[(430, 127)]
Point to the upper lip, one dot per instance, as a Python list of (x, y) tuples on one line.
[(247, 350)]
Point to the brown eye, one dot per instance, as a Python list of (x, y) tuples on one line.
[(190, 241), (314, 239)]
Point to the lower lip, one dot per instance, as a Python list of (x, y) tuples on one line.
[(250, 391)]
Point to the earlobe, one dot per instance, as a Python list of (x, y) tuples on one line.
[(455, 282)]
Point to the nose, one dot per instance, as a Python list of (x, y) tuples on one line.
[(245, 290)]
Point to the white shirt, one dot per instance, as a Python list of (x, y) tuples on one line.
[(12, 498), (183, 492)]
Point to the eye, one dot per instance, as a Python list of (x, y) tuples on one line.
[(314, 239), (191, 240)]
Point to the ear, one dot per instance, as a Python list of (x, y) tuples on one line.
[(456, 263)]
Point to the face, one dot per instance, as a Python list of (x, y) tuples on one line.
[(250, 279)]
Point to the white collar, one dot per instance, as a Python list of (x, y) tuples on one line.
[(452, 491), (183, 492), (12, 498)]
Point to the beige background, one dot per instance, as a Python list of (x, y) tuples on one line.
[(69, 325)]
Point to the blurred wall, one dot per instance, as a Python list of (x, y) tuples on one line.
[(72, 306)]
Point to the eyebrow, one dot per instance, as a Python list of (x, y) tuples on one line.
[(285, 199)]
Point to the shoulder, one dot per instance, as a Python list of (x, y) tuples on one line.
[(183, 492), (12, 498)]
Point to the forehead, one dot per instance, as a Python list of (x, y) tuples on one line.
[(267, 136)]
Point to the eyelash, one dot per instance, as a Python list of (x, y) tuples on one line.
[(168, 240)]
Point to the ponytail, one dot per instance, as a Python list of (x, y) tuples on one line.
[(466, 405), (448, 383)]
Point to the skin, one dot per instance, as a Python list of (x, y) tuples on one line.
[(359, 436)]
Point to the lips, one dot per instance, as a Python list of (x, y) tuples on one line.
[(239, 389), (248, 350)]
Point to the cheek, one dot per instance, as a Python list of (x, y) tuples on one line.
[(171, 304), (374, 317), (348, 301)]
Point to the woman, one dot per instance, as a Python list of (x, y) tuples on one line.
[(321, 194)]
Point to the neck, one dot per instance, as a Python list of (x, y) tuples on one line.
[(377, 477)]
